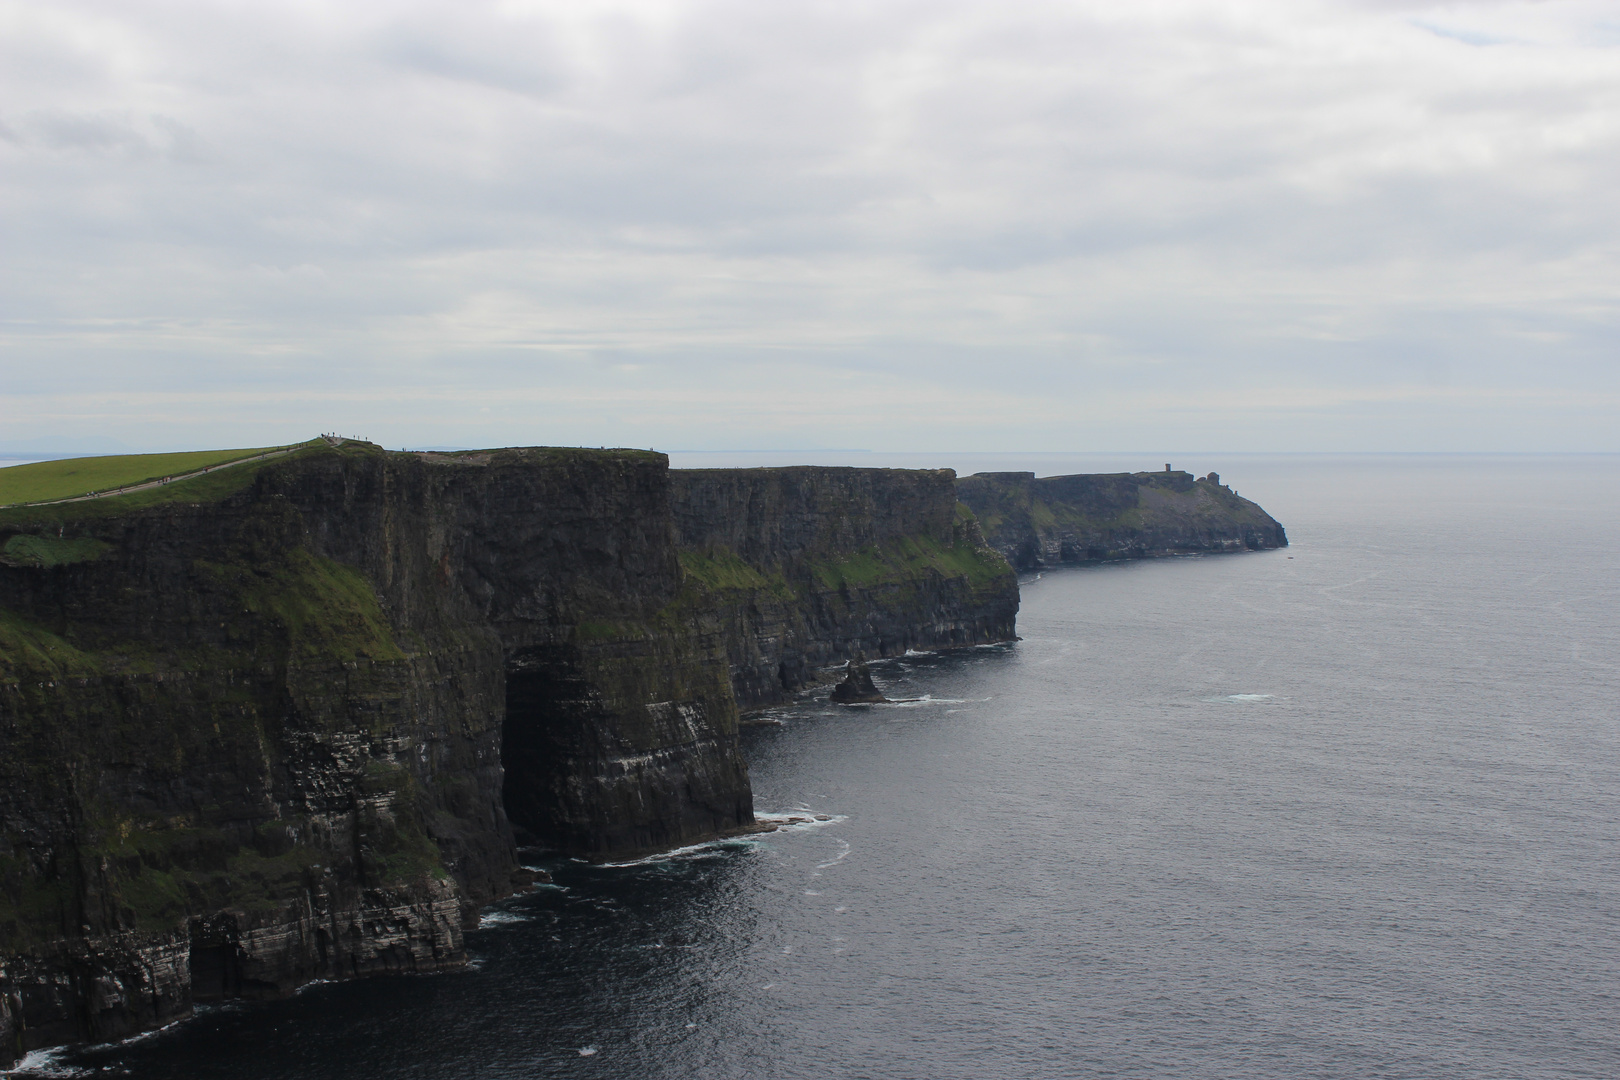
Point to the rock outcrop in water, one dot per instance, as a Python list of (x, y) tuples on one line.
[(858, 687), (278, 723), (1102, 516)]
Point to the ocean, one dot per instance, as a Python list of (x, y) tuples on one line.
[(1348, 809)]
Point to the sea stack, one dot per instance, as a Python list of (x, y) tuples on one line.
[(857, 687)]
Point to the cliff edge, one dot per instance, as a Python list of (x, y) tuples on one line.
[(810, 566), (288, 720), (1043, 521)]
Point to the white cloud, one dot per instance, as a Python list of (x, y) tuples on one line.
[(681, 223)]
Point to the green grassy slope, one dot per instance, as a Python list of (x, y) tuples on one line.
[(43, 480)]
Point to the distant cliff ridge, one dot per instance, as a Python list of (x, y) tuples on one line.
[(809, 566), (282, 721), (291, 718), (1048, 520)]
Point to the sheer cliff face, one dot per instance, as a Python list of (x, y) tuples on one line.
[(278, 723), (807, 566), (257, 740), (1056, 519)]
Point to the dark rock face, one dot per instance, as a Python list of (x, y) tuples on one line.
[(278, 723), (258, 740), (1092, 517), (807, 566), (858, 687)]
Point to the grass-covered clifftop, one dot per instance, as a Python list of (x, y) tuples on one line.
[(43, 481), (1092, 517)]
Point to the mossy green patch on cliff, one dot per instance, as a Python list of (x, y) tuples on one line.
[(156, 873), (151, 899), (394, 846), (902, 561), (27, 649), (33, 908), (158, 876), (1043, 516), (723, 570), (25, 550), (329, 610)]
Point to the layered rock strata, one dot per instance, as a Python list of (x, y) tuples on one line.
[(1044, 521), (809, 566), (282, 722), (258, 738)]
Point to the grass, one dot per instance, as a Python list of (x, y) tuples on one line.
[(724, 571), (202, 488), (45, 480), (24, 550), (29, 652), (329, 611), (910, 559)]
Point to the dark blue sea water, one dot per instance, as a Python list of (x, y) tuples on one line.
[(1350, 809)]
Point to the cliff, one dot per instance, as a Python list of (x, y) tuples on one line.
[(810, 566), (1056, 519), (281, 722)]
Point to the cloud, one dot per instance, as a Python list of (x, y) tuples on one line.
[(970, 219)]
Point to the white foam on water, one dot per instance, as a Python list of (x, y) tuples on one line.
[(709, 849), (917, 703), (502, 918), (587, 1051), (920, 652), (800, 819), (1239, 698), (836, 859), (46, 1063)]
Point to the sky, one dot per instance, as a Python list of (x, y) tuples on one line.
[(723, 225)]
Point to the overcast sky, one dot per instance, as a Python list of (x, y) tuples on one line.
[(1084, 226)]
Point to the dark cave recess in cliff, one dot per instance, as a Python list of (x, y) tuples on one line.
[(592, 776)]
